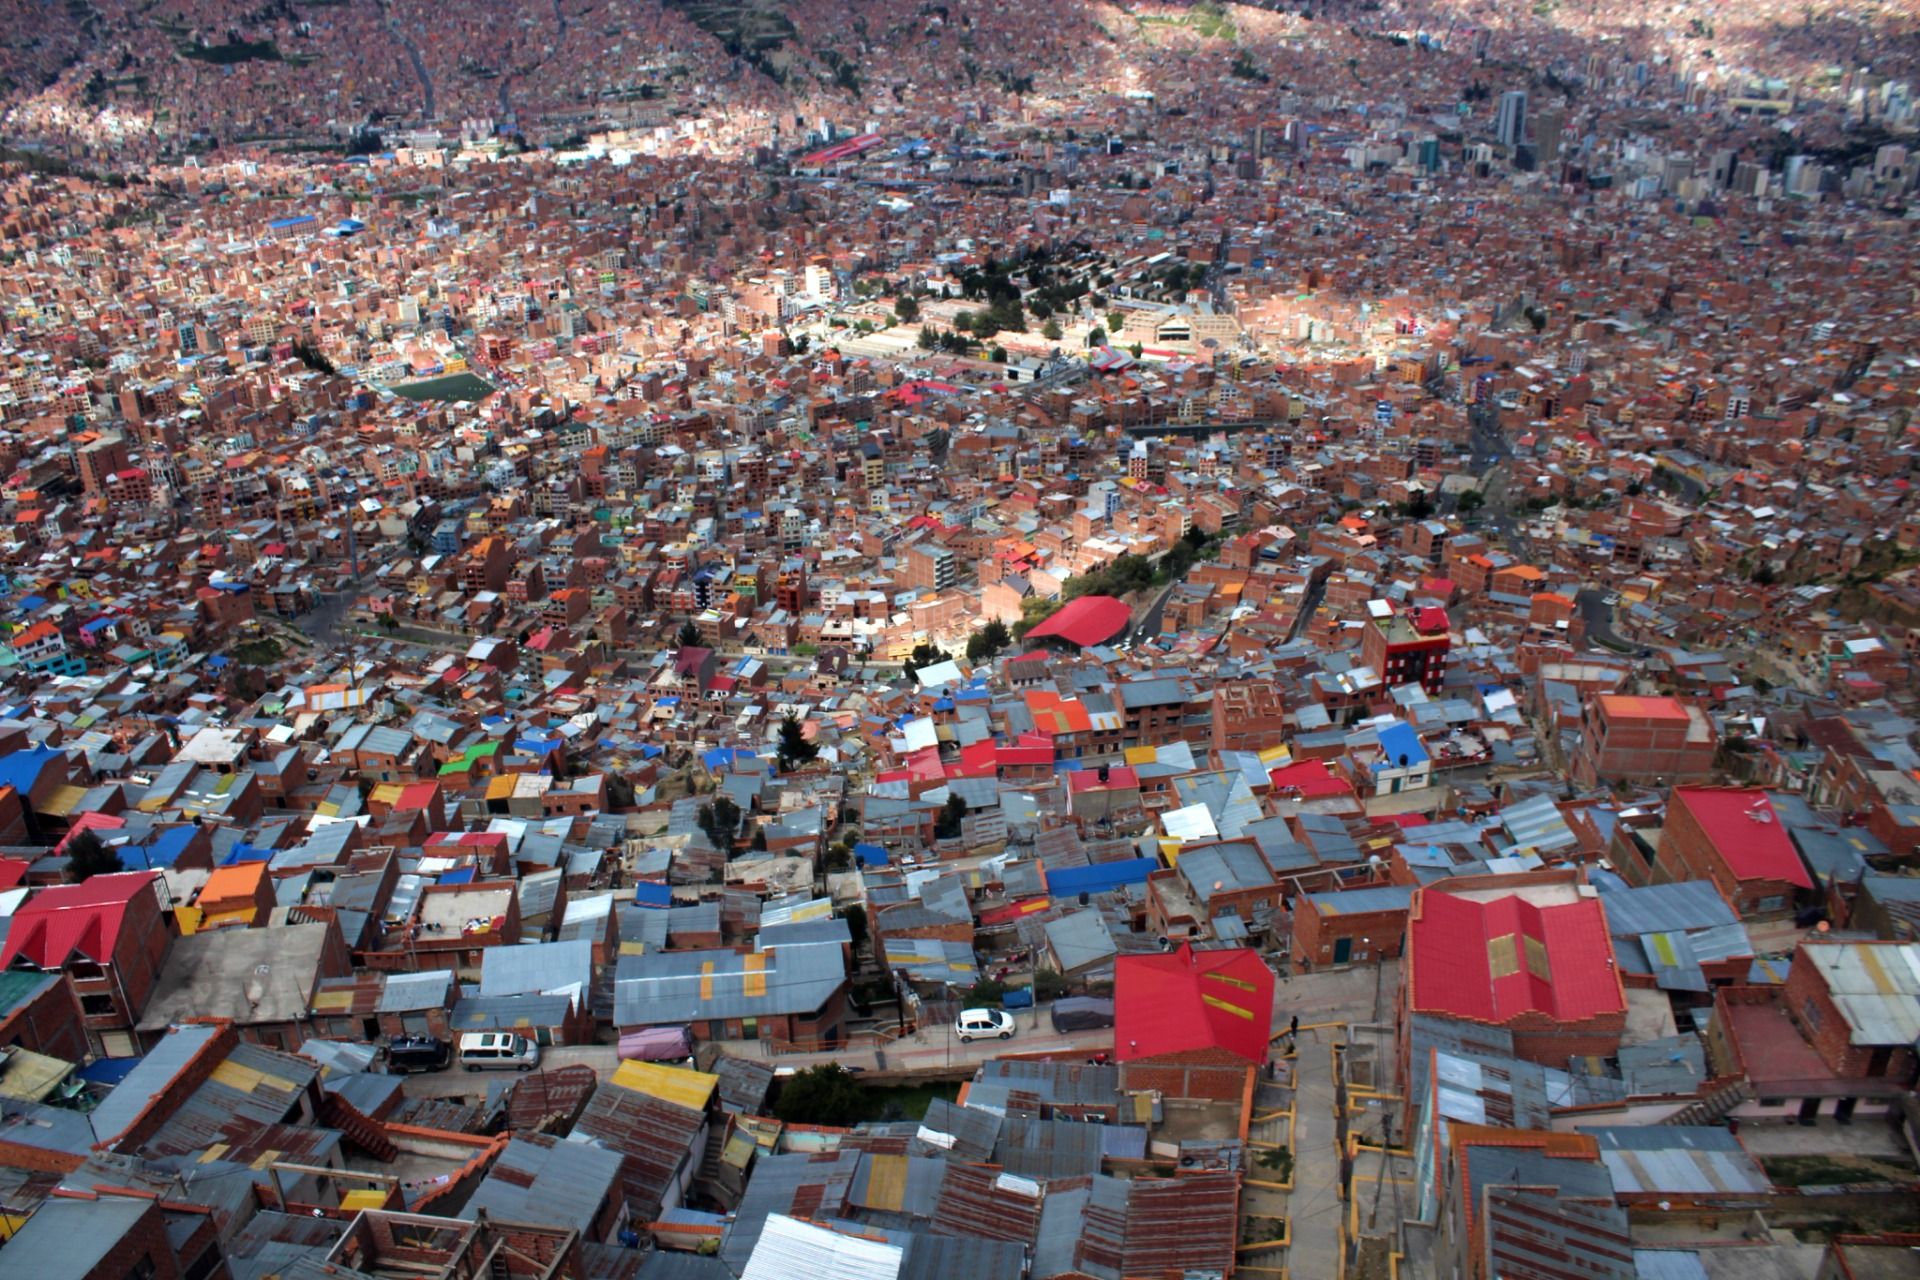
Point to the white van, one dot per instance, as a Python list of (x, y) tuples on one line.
[(480, 1050)]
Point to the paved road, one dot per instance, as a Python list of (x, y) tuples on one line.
[(1597, 614), (413, 55), (1149, 625)]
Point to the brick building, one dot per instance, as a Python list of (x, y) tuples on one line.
[(1732, 837), (1354, 926), (1408, 648), (110, 935), (1527, 953), (1192, 1023), (1643, 739), (1248, 716)]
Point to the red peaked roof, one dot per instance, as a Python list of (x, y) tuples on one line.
[(1088, 621), (1180, 1001), (1745, 832), (57, 922), (1494, 961)]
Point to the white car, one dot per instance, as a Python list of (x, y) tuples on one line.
[(976, 1023)]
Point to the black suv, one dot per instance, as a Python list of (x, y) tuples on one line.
[(417, 1053)]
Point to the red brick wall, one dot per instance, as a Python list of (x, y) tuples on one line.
[(1811, 1006), (1176, 1079), (50, 1023), (1314, 934)]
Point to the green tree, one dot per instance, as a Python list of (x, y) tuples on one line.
[(988, 641), (827, 1094), (1472, 500), (794, 748), (1116, 321), (947, 825), (689, 635), (720, 819), (87, 857), (1097, 338), (1052, 331), (1048, 984), (924, 655), (856, 917), (998, 355), (1419, 506), (929, 337), (906, 308)]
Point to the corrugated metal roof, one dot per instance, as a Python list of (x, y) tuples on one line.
[(542, 1179), (1876, 987), (966, 1133), (1668, 1264), (1048, 1149), (1156, 1226), (788, 1248), (689, 986), (1694, 1159), (146, 1081), (1661, 908), (803, 1185), (535, 967)]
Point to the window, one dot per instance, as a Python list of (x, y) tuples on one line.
[(1811, 1012), (97, 1006)]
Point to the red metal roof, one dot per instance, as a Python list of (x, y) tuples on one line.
[(1176, 1001), (1090, 620), (1495, 961), (1745, 832), (57, 922), (1311, 778)]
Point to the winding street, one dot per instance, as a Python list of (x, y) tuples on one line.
[(413, 54)]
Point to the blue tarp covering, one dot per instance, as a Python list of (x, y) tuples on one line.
[(247, 853), (649, 894), (108, 1070), (870, 855), (162, 851), (538, 746), (1101, 877), (459, 875), (21, 769)]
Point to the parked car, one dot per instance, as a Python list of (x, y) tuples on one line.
[(974, 1024), (1082, 1013), (501, 1050), (417, 1053)]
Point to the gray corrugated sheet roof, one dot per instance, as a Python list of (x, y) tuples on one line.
[(787, 1184), (974, 1132), (1667, 1264), (1061, 1219), (69, 1238), (533, 967), (541, 1179), (1699, 1159), (1080, 938), (663, 987), (1660, 908), (1383, 897), (149, 1078), (663, 1264), (508, 1013), (538, 892), (1047, 1149), (877, 1186), (410, 992), (1232, 865)]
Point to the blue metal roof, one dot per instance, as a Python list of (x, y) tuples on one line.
[(1100, 877)]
